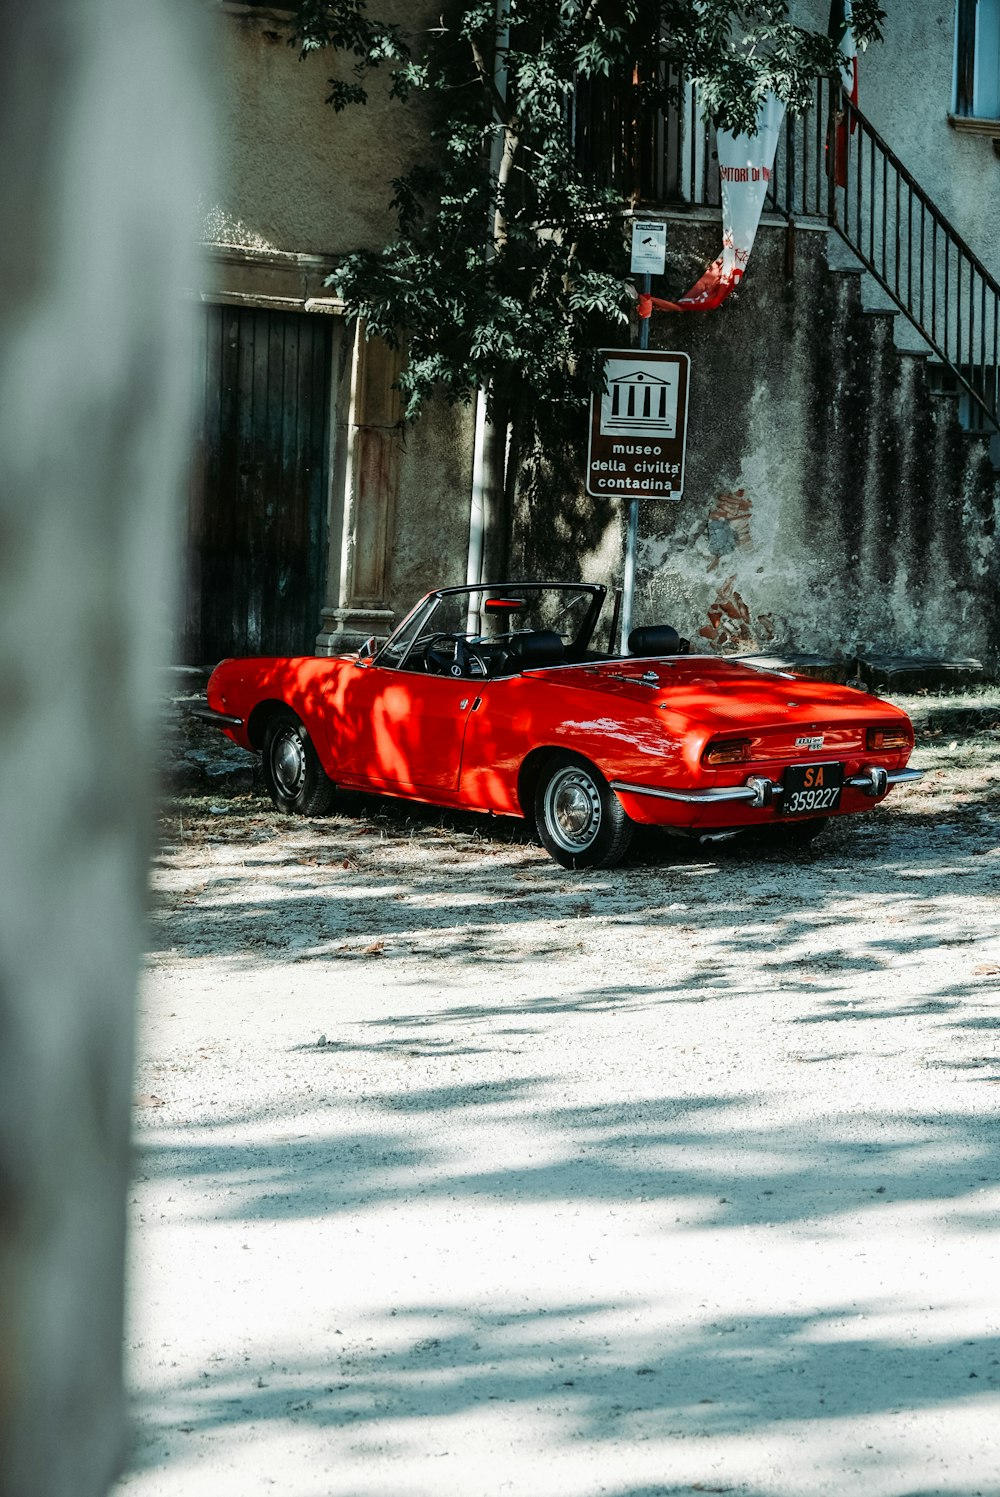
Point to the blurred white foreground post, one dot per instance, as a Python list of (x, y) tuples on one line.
[(101, 139)]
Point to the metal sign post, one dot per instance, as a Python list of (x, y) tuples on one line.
[(632, 532), (649, 255)]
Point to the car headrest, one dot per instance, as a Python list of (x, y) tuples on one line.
[(539, 647), (657, 639)]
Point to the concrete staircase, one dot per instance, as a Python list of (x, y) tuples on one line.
[(941, 380)]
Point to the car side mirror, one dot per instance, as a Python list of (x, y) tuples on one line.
[(368, 649)]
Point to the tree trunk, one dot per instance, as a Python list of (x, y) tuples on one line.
[(101, 132)]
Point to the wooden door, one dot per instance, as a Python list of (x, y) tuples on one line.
[(256, 537)]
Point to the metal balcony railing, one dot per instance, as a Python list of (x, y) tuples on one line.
[(668, 156), (897, 232)]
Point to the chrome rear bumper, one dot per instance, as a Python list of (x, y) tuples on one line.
[(760, 791)]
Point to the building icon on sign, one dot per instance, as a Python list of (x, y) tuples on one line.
[(639, 403)]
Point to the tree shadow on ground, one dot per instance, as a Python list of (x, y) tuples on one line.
[(718, 1374), (742, 921), (671, 1148), (884, 894)]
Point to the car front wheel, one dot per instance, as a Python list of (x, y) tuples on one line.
[(580, 820), (296, 781)]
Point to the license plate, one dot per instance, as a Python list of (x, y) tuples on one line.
[(811, 789)]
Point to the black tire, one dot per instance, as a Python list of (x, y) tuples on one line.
[(296, 781), (580, 820)]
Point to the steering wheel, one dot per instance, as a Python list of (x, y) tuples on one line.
[(459, 661)]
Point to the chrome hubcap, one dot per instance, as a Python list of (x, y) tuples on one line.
[(573, 809), (288, 762)]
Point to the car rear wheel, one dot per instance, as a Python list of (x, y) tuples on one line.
[(296, 781), (579, 818)]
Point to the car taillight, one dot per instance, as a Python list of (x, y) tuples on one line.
[(887, 738), (733, 751)]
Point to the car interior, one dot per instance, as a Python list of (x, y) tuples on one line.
[(514, 630), (474, 657)]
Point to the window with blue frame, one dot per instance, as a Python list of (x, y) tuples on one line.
[(977, 59)]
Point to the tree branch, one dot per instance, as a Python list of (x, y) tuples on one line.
[(494, 95)]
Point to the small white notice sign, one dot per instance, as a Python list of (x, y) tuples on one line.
[(649, 246)]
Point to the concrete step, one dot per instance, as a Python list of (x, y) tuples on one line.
[(904, 673), (919, 673), (873, 298)]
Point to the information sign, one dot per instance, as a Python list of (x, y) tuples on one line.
[(649, 246), (638, 426)]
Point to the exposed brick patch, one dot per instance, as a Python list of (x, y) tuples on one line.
[(729, 618), (729, 524)]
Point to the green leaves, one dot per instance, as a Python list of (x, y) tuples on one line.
[(509, 265), (344, 26)]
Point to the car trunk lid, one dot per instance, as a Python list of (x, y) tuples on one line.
[(785, 716)]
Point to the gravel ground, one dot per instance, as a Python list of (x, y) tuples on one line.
[(460, 1174)]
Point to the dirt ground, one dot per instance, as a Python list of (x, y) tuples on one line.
[(460, 1174)]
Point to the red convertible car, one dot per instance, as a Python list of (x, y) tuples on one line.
[(491, 699)]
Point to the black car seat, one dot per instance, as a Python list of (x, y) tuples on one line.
[(535, 648), (657, 639)]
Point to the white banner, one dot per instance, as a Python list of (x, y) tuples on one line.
[(745, 166)]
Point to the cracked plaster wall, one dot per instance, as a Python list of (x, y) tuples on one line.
[(832, 504)]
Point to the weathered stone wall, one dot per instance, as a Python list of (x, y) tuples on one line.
[(832, 503)]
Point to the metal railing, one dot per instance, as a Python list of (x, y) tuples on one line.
[(892, 225), (905, 242), (668, 156)]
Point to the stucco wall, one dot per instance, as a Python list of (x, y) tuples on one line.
[(907, 91), (431, 544), (294, 174)]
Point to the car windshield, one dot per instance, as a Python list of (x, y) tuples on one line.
[(481, 623)]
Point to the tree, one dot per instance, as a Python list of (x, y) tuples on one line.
[(102, 130), (509, 268)]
